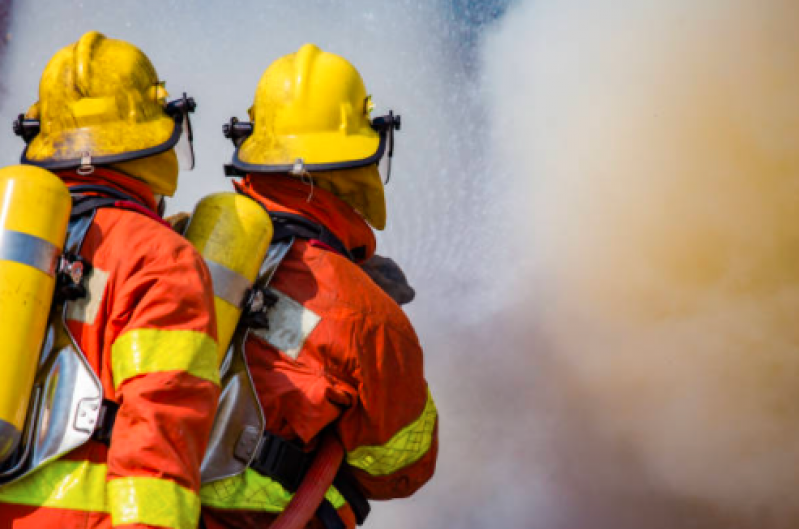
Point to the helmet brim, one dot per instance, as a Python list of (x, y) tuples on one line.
[(318, 152), (112, 143)]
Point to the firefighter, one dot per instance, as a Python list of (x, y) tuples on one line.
[(144, 321), (336, 353)]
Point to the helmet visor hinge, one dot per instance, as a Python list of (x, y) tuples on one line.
[(237, 131), (86, 167), (27, 129), (386, 125)]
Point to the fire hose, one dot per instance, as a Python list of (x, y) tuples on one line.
[(311, 492)]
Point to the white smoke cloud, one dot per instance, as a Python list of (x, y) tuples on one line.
[(654, 150)]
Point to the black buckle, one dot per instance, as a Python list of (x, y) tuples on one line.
[(257, 303), (70, 273), (281, 461), (105, 422)]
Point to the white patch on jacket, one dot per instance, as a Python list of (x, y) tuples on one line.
[(290, 324), (85, 309)]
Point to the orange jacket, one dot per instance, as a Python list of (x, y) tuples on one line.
[(339, 352), (148, 330)]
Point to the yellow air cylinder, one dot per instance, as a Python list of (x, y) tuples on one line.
[(232, 232), (34, 213)]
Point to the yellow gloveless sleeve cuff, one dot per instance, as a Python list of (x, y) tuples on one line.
[(143, 351), (405, 448), (152, 501)]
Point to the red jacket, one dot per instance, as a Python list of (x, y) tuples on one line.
[(148, 330), (339, 352)]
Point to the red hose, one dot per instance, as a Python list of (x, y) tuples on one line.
[(309, 496)]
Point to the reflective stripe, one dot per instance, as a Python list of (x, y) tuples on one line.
[(29, 250), (229, 286), (251, 491), (81, 486), (152, 501), (143, 351), (405, 448), (74, 485)]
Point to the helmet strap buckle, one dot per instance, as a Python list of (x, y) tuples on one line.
[(86, 167)]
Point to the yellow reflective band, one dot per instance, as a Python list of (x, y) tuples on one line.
[(251, 491), (405, 448), (152, 501), (74, 485), (143, 351)]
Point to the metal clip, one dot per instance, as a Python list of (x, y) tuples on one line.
[(86, 416), (86, 167), (256, 308), (299, 168), (71, 268), (69, 283)]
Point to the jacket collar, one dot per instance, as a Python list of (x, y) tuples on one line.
[(286, 194), (114, 179)]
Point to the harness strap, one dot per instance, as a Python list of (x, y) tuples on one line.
[(82, 206), (108, 197), (287, 464), (290, 225)]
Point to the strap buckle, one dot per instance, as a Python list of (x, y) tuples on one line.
[(71, 271), (105, 422), (281, 461)]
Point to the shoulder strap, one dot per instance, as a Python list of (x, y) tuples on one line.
[(106, 197), (289, 225)]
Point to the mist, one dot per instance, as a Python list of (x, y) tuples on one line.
[(653, 150), (595, 202)]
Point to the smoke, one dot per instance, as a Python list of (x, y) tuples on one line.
[(5, 37), (653, 149)]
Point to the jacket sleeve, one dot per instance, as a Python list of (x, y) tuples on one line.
[(391, 433), (166, 380)]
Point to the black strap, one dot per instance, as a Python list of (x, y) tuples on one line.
[(286, 463), (83, 204), (328, 515), (346, 484), (102, 190), (290, 225), (281, 461), (105, 422)]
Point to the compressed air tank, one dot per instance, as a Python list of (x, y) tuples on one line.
[(232, 232), (34, 214)]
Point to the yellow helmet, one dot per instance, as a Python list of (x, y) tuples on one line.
[(312, 114), (100, 103)]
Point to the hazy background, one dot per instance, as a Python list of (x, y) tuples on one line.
[(596, 202)]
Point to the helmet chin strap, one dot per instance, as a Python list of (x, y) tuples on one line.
[(160, 204)]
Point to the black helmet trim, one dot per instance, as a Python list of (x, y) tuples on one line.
[(384, 125), (177, 110), (239, 168), (73, 163)]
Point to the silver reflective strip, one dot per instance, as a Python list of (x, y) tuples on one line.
[(228, 285), (29, 250)]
